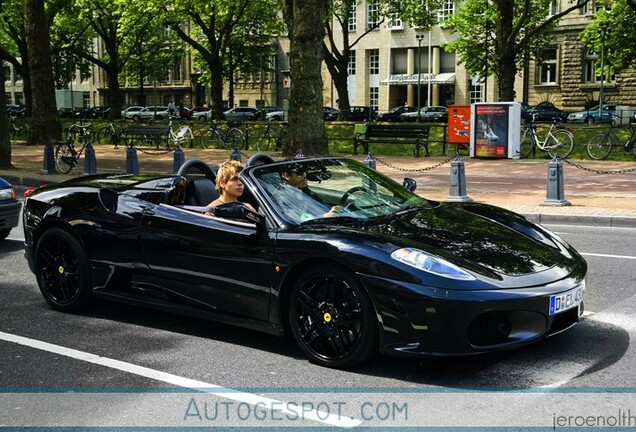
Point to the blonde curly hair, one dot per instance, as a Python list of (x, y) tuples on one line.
[(227, 170)]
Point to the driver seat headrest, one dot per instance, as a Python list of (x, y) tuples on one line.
[(200, 192)]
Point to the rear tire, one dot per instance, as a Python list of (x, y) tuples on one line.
[(599, 146), (62, 271), (235, 139), (65, 158), (561, 145)]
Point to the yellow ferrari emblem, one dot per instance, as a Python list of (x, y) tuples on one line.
[(327, 317), (60, 269)]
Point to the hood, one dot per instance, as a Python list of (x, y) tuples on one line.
[(487, 240)]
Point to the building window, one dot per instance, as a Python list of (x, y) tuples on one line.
[(19, 98), (373, 14), (446, 9), (548, 68), (591, 73), (86, 99), (374, 62), (352, 24), (476, 89), (553, 7), (7, 73), (395, 23), (374, 97), (351, 68)]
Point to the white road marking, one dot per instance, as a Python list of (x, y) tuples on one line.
[(223, 392), (629, 257)]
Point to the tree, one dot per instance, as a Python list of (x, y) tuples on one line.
[(14, 48), (210, 28), (496, 37), (337, 55), (119, 24), (306, 133), (45, 123), (612, 34), (5, 141)]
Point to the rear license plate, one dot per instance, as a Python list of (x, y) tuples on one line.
[(566, 300)]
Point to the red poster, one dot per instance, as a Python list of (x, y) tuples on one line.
[(459, 124)]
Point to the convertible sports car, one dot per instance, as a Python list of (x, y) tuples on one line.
[(348, 263)]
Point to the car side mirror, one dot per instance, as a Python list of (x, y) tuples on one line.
[(238, 210), (409, 184)]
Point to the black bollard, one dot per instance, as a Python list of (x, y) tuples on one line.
[(132, 164), (236, 155), (90, 163), (178, 160), (48, 166)]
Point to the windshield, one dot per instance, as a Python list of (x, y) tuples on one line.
[(322, 190)]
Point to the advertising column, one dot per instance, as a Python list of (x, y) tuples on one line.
[(495, 130)]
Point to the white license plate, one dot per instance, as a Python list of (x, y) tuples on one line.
[(565, 301)]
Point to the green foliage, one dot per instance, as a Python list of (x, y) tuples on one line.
[(612, 32)]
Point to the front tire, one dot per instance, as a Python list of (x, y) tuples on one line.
[(332, 318), (599, 146), (62, 271), (65, 158)]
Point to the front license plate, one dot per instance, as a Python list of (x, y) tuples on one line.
[(565, 301)]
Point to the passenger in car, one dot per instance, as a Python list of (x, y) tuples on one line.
[(228, 184)]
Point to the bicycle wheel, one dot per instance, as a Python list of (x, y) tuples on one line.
[(235, 139), (65, 158), (560, 144), (527, 144), (599, 145), (185, 138), (263, 140), (104, 135)]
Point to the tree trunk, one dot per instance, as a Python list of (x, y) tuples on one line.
[(45, 124), (5, 141), (114, 94), (306, 119), (216, 86)]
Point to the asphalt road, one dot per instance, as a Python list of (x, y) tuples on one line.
[(129, 366)]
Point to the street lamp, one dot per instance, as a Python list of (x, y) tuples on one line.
[(419, 38)]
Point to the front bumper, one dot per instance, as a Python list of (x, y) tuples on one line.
[(418, 320)]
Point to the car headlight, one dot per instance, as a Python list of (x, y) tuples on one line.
[(431, 264), (6, 194)]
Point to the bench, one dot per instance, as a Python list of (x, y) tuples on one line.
[(393, 134), (154, 134)]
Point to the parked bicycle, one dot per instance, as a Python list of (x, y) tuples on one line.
[(66, 157), (272, 133), (220, 137), (182, 137), (18, 128), (558, 142), (600, 144), (110, 134)]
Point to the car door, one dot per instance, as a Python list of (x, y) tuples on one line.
[(223, 266)]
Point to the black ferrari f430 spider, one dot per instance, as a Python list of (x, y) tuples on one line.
[(349, 263)]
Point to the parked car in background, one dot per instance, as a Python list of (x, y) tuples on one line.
[(65, 112), (545, 112), (201, 113), (240, 114), (608, 111), (331, 113), (101, 112), (131, 113), (16, 110), (427, 114), (394, 114), (359, 113), (275, 115), (261, 114), (154, 113), (9, 208)]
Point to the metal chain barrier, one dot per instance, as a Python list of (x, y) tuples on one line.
[(597, 171), (414, 169)]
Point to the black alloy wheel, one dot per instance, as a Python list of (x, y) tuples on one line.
[(332, 318), (62, 271)]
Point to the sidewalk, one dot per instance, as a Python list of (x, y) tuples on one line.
[(600, 192)]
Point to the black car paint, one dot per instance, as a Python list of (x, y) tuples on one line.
[(148, 253)]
